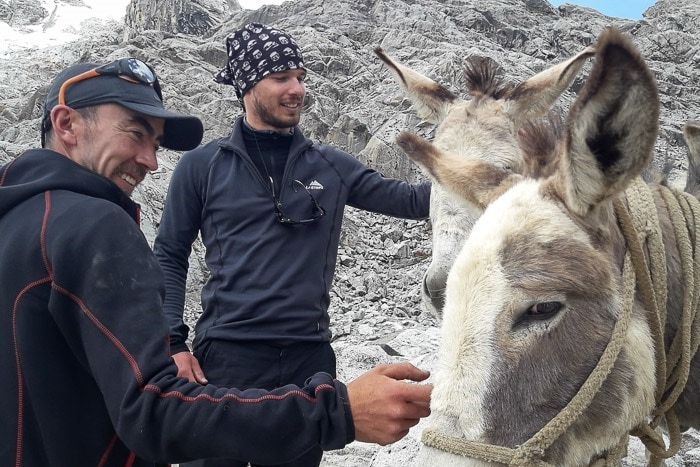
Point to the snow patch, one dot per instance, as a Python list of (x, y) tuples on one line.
[(66, 22)]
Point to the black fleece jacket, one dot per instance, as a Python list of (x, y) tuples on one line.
[(85, 373), (269, 281)]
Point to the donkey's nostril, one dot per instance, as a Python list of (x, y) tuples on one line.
[(434, 297)]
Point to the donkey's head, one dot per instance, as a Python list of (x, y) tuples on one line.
[(534, 294), (482, 128)]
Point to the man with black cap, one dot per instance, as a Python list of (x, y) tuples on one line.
[(269, 205), (85, 373)]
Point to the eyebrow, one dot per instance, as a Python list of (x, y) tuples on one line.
[(142, 121), (292, 72)]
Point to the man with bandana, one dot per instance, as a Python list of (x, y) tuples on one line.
[(268, 204)]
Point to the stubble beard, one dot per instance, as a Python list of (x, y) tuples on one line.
[(266, 115)]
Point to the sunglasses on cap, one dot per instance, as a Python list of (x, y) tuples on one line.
[(130, 69)]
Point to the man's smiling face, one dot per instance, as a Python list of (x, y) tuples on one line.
[(120, 144), (275, 102)]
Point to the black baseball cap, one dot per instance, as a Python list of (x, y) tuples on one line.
[(128, 82)]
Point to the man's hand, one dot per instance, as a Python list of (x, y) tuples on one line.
[(188, 367), (384, 407)]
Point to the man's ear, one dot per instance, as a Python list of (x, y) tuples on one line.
[(63, 121)]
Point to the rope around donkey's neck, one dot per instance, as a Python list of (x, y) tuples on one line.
[(672, 369)]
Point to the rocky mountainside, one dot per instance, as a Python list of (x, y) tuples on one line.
[(195, 17), (353, 103)]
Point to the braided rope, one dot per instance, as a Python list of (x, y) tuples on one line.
[(684, 213), (482, 451), (652, 280)]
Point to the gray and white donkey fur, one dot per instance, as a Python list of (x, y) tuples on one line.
[(535, 290)]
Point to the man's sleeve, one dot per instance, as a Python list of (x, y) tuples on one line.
[(371, 191), (107, 297), (178, 229)]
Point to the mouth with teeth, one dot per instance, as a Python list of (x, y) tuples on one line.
[(129, 179), (132, 176)]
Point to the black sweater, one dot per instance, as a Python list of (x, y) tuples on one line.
[(85, 375), (269, 281)]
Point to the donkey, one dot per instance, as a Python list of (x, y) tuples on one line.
[(467, 127), (551, 351)]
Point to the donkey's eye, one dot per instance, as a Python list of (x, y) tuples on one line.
[(539, 312), (544, 309)]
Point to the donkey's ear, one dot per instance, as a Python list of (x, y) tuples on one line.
[(430, 99), (535, 96), (477, 181), (611, 127)]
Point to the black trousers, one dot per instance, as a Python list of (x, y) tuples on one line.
[(245, 365)]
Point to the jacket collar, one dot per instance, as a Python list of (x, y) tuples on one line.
[(234, 141)]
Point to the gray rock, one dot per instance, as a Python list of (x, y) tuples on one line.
[(18, 13), (196, 17)]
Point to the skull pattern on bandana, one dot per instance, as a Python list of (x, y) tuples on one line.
[(256, 51)]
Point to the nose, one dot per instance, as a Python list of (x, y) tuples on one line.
[(298, 88), (147, 158), (434, 285)]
